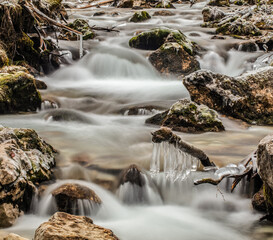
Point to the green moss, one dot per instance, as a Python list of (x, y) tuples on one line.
[(140, 16), (164, 5)]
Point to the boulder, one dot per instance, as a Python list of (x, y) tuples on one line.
[(212, 14), (240, 27), (173, 58), (248, 97), (67, 197), (63, 226), (25, 159), (153, 39), (13, 236), (18, 91), (164, 4), (81, 26), (187, 116), (8, 215), (219, 3), (140, 16), (258, 201), (125, 4), (133, 175)]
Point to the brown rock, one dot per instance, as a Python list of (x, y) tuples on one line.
[(8, 215), (248, 97), (13, 236), (63, 226), (258, 201), (133, 175), (67, 197)]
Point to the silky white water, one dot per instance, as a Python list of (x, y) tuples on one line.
[(89, 117)]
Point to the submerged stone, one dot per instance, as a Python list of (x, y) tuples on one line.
[(140, 16), (187, 116)]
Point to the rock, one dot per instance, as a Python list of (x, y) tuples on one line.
[(140, 16), (153, 39), (141, 110), (125, 4), (100, 13), (52, 8), (212, 14), (258, 201), (4, 60), (13, 236), (8, 215), (187, 116), (25, 159), (263, 233), (163, 13), (40, 84), (219, 3), (265, 160), (81, 26), (248, 97), (18, 91), (240, 27), (67, 197), (63, 226), (133, 175), (164, 4), (172, 58)]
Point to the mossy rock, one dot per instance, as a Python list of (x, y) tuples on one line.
[(187, 116), (79, 25), (239, 2), (4, 60), (153, 39), (18, 92), (240, 27), (173, 58), (219, 3), (27, 52), (164, 5), (140, 16)]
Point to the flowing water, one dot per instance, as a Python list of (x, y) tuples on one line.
[(89, 118)]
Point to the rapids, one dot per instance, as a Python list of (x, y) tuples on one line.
[(88, 118)]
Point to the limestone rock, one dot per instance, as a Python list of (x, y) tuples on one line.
[(212, 14), (248, 97), (173, 58), (140, 16), (240, 27), (13, 236), (81, 26), (25, 159), (153, 39), (67, 197), (63, 226), (187, 116), (8, 215), (133, 175), (18, 91)]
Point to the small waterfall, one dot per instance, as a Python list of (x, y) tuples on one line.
[(48, 105), (177, 165), (131, 193)]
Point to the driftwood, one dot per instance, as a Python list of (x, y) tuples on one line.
[(37, 14), (165, 134), (104, 29), (97, 4), (250, 163)]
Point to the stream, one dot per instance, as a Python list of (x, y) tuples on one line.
[(94, 93)]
